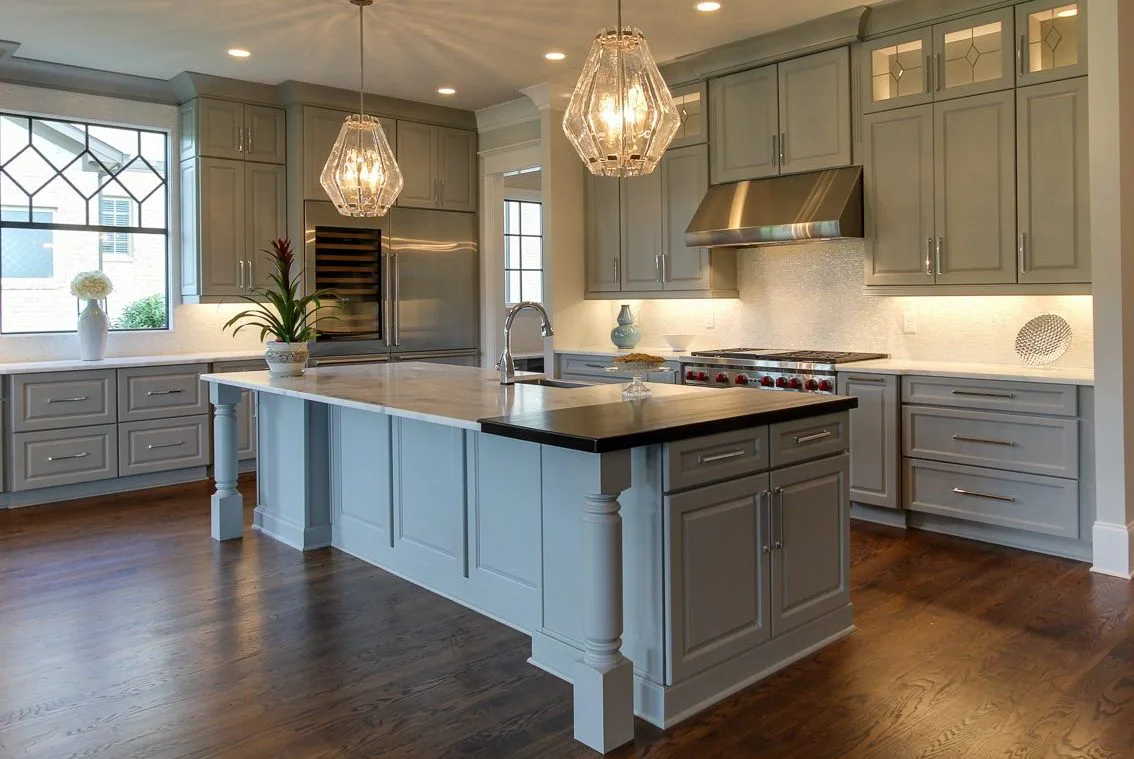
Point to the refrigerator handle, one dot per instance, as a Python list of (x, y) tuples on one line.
[(394, 306)]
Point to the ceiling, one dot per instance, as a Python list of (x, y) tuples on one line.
[(486, 49)]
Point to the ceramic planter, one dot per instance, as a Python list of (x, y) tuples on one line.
[(286, 359)]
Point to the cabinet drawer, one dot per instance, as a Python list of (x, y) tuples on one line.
[(806, 439), (715, 458), (161, 392), (595, 368), (1034, 444), (159, 445), (64, 457), (62, 400), (1048, 505), (991, 395)]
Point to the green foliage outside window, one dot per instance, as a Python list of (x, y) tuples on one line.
[(144, 313)]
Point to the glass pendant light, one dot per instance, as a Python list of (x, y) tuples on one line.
[(621, 117), (361, 175)]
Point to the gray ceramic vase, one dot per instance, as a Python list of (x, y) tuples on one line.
[(627, 334)]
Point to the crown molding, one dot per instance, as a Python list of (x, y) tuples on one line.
[(60, 76), (8, 49), (518, 111), (539, 94)]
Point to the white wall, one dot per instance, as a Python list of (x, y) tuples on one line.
[(811, 296), (194, 328)]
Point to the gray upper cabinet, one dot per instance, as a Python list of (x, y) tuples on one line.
[(745, 126), (321, 127), (974, 55), (265, 207), (438, 165), (815, 112), (642, 233), (1051, 41), (690, 100), (875, 457), (975, 189), (604, 246), (228, 129), (685, 179), (897, 71), (898, 183), (1054, 242)]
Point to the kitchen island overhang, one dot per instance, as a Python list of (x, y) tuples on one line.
[(732, 562)]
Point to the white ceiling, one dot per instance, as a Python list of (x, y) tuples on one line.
[(486, 49)]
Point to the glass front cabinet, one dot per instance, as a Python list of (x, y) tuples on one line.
[(1031, 43)]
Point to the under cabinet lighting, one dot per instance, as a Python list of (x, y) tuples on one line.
[(239, 52), (708, 6)]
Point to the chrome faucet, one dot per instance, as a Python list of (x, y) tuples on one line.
[(506, 366)]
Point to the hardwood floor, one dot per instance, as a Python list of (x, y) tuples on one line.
[(126, 632)]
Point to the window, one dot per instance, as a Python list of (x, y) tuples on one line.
[(30, 254), (75, 197), (113, 212), (523, 251)]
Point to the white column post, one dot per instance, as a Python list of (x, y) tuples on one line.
[(228, 504), (604, 678)]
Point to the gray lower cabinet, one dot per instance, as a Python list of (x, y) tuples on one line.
[(592, 370), (63, 456), (60, 400), (160, 392), (160, 445), (1054, 224), (438, 165), (874, 439)]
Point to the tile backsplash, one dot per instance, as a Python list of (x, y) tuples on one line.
[(811, 296)]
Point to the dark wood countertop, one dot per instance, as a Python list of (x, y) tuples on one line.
[(607, 427)]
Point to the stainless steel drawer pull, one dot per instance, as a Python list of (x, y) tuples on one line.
[(985, 394), (76, 399), (152, 446), (990, 441), (65, 458), (989, 496), (721, 456), (874, 380), (801, 439), (595, 366), (175, 391)]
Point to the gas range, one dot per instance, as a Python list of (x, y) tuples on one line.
[(767, 369)]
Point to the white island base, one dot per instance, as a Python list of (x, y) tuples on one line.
[(657, 579)]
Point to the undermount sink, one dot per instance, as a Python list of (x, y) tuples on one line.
[(545, 382)]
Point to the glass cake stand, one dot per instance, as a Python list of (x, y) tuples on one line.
[(637, 390)]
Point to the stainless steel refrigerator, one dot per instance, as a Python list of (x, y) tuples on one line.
[(414, 297)]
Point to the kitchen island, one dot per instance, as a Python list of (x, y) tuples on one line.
[(662, 554)]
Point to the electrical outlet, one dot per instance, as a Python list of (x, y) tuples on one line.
[(710, 319), (909, 323)]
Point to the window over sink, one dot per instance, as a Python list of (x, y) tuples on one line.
[(523, 251)]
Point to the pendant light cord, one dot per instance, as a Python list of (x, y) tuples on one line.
[(361, 63)]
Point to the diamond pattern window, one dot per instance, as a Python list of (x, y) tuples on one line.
[(79, 196), (1053, 38), (974, 55), (897, 71), (523, 251)]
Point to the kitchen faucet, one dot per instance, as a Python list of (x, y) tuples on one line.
[(506, 366)]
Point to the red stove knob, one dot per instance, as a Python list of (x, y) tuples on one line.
[(825, 386), (741, 379), (690, 375), (702, 377), (781, 382), (811, 385), (767, 381), (722, 378), (795, 383)]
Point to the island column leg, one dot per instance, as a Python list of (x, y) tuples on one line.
[(228, 504), (604, 678)]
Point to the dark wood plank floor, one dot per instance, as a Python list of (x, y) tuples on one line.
[(126, 632)]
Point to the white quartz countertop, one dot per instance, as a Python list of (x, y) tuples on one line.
[(456, 396), (124, 362), (1064, 375), (611, 351)]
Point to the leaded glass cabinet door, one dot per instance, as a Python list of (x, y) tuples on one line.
[(896, 71), (973, 55), (1051, 41)]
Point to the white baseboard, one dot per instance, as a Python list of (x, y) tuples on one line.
[(1114, 550)]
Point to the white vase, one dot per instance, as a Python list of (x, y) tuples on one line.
[(93, 326), (286, 359)]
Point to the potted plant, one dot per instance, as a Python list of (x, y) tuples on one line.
[(280, 311)]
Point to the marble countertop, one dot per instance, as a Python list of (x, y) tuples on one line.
[(593, 418), (610, 351), (124, 362), (1063, 375)]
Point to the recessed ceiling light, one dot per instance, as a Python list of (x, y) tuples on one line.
[(446, 91), (555, 55), (239, 52), (1068, 12), (708, 6)]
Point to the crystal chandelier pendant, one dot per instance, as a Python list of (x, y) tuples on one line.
[(621, 117), (361, 175)]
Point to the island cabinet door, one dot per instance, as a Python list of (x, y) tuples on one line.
[(717, 559), (875, 459), (810, 517), (361, 484)]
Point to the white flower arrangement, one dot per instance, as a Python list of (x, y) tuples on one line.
[(91, 285)]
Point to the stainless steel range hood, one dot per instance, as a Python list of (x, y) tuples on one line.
[(820, 205)]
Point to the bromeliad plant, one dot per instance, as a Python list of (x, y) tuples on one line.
[(279, 310)]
